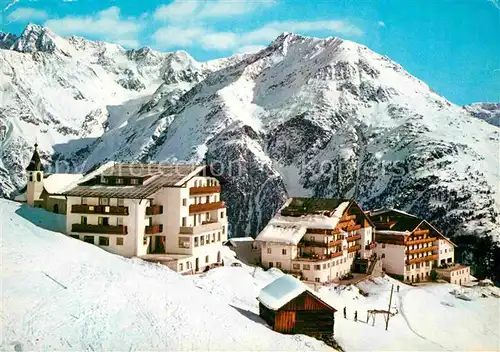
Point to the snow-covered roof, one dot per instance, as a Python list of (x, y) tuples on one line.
[(281, 291), (241, 239), (58, 183), (387, 210), (20, 197), (392, 232)]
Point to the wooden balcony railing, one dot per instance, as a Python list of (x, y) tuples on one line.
[(198, 208), (325, 232), (353, 228), (98, 209), (306, 243), (153, 229), (427, 258), (370, 246), (154, 210), (102, 229), (204, 227), (353, 238), (420, 232), (423, 240), (422, 250), (204, 190), (336, 254), (354, 248)]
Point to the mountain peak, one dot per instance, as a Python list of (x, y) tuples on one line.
[(35, 38), (6, 40)]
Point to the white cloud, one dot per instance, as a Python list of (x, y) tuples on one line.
[(106, 25), (27, 14), (176, 36), (495, 3), (219, 40), (176, 10), (248, 49), (189, 11), (381, 23)]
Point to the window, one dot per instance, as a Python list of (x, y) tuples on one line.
[(269, 251), (207, 239), (316, 279), (418, 265), (383, 245), (83, 220), (88, 239), (222, 215), (184, 202), (84, 201), (317, 267), (206, 259), (119, 241), (427, 263), (184, 222), (202, 240), (196, 241), (283, 251), (324, 266), (103, 201), (188, 265), (38, 176), (104, 180), (207, 199), (77, 237), (446, 251), (119, 181), (103, 221), (119, 221), (135, 181), (223, 229), (296, 266), (218, 236), (383, 255), (120, 202), (31, 177), (184, 242), (207, 216), (213, 237), (103, 241), (144, 241), (278, 265), (270, 264), (407, 267), (181, 268), (306, 267)]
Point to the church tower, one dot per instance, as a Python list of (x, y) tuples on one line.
[(34, 182)]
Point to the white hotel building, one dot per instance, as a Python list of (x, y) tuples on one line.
[(317, 239), (170, 214)]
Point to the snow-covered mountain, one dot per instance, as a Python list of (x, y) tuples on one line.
[(489, 112), (304, 116)]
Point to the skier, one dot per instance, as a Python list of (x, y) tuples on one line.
[(345, 313), (356, 315)]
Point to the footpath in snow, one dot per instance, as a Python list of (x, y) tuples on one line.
[(64, 294)]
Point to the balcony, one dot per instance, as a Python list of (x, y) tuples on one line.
[(353, 228), (306, 243), (206, 226), (100, 229), (153, 229), (370, 246), (310, 257), (427, 258), (204, 190), (353, 238), (98, 209), (421, 250), (154, 210), (198, 208), (423, 240), (354, 248), (336, 254)]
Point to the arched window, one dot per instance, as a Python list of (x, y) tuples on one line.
[(31, 177), (38, 176)]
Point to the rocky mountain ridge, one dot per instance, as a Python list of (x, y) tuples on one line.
[(304, 116)]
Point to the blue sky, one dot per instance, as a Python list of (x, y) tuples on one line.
[(452, 45)]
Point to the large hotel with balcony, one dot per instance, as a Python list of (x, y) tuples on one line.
[(411, 247), (317, 239), (170, 214)]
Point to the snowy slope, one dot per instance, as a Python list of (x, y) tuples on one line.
[(104, 302), (304, 116), (428, 317)]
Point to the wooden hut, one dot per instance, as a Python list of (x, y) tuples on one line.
[(290, 307)]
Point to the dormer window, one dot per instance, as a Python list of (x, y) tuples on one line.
[(134, 181), (119, 181)]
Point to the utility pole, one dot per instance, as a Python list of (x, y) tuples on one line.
[(389, 310)]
